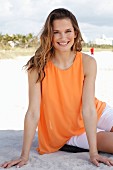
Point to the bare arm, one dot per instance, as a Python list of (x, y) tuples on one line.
[(32, 115), (89, 110), (30, 122)]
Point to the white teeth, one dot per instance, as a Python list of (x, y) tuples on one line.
[(62, 43)]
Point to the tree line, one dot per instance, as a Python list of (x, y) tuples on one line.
[(18, 40), (30, 40)]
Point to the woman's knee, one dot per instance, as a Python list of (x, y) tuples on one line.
[(111, 129), (105, 142)]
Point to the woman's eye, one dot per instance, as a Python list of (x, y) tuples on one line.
[(68, 31), (55, 32)]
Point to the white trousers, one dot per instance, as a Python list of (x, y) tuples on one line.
[(105, 123)]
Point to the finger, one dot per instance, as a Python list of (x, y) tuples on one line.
[(111, 162), (4, 165), (105, 161), (1, 165), (22, 163), (12, 163), (95, 162)]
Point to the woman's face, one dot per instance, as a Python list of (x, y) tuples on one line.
[(63, 35)]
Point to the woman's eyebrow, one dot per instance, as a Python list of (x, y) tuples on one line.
[(59, 30)]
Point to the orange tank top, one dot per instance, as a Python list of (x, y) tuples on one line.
[(61, 106)]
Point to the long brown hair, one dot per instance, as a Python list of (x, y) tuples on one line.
[(45, 50)]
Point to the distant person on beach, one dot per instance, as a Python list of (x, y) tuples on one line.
[(92, 51), (62, 101)]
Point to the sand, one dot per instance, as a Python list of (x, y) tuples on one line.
[(13, 105)]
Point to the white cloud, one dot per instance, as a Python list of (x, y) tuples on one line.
[(93, 31), (5, 8)]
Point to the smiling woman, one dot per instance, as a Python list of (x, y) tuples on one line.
[(63, 34), (63, 39), (62, 100)]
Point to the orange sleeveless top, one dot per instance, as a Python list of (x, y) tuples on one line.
[(61, 106)]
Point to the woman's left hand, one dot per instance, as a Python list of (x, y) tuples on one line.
[(96, 158)]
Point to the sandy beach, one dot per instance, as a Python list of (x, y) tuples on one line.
[(13, 106)]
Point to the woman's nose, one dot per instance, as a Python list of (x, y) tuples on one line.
[(63, 35)]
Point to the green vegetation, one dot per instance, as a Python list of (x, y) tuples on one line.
[(103, 47), (15, 45), (17, 40)]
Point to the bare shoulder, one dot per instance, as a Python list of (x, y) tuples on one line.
[(32, 75), (88, 59), (34, 92), (89, 63)]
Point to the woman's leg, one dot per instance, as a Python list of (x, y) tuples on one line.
[(81, 140), (105, 138), (105, 141), (104, 133), (111, 129), (106, 120)]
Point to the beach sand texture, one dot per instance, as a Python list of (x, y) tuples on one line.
[(13, 105)]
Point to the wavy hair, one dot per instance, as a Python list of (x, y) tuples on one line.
[(45, 50)]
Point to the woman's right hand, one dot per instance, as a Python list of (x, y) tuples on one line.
[(18, 162), (96, 159)]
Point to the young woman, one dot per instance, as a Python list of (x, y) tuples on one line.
[(62, 99)]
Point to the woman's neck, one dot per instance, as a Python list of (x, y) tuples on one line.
[(63, 57), (63, 60)]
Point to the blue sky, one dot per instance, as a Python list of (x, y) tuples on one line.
[(28, 16)]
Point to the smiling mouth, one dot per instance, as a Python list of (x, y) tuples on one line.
[(63, 43)]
